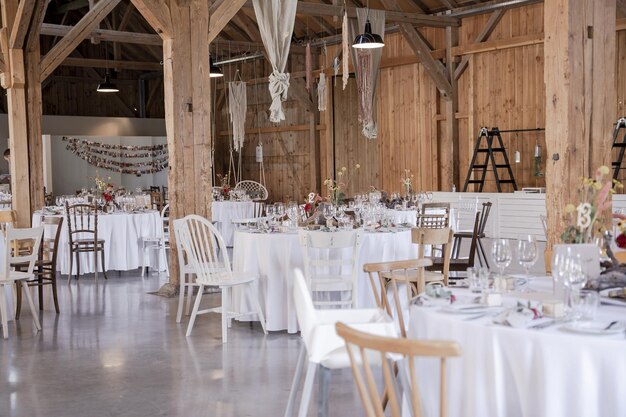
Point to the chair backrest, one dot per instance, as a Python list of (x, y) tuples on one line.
[(166, 193), (28, 241), (52, 226), (383, 275), (165, 219), (434, 237), (7, 217), (363, 347), (305, 311), (484, 216), (331, 255), (204, 247), (434, 216), (156, 200), (255, 190), (82, 219), (474, 242)]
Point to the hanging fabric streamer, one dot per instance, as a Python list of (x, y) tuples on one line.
[(345, 48), (275, 19), (366, 65), (308, 67), (237, 106), (321, 92)]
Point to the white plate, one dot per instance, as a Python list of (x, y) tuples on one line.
[(604, 297), (594, 327)]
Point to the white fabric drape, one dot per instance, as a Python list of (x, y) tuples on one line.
[(237, 107), (321, 92), (366, 65), (275, 19)]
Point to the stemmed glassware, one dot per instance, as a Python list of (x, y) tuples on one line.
[(527, 252), (502, 254), (293, 212), (270, 212), (279, 211), (328, 211)]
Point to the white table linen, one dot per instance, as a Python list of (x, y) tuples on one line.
[(122, 234), (224, 212), (506, 372), (274, 257)]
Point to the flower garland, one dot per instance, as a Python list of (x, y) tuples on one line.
[(90, 152)]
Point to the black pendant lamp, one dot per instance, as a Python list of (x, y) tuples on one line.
[(107, 86), (367, 39), (214, 70)]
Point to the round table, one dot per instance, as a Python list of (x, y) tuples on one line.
[(122, 234), (507, 372), (274, 257), (224, 212)]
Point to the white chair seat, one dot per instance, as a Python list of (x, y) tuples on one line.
[(323, 283), (226, 279)]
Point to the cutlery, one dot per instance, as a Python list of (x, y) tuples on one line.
[(543, 325), (611, 324)]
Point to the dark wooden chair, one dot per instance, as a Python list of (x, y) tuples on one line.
[(82, 228), (467, 234), (156, 200), (46, 266), (460, 264)]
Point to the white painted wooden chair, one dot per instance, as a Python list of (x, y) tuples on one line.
[(322, 348), (331, 265), (206, 252), (255, 190), (159, 243), (28, 242)]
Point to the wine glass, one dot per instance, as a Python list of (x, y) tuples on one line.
[(270, 212), (502, 254), (328, 211), (527, 252), (279, 210), (293, 212)]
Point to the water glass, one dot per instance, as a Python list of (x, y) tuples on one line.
[(502, 254), (527, 252), (584, 304), (473, 278)]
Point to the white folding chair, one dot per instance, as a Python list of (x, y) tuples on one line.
[(321, 346), (255, 190), (21, 248), (207, 253), (159, 243), (331, 265)]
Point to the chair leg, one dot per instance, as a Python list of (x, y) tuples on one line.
[(54, 291), (3, 313), (31, 304), (143, 263), (40, 289), (104, 272), (181, 298), (322, 401), (189, 294), (77, 264), (254, 303), (69, 275), (296, 381), (167, 263), (225, 315), (194, 313), (18, 298), (307, 389), (95, 263), (482, 250)]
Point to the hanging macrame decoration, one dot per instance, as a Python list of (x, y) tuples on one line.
[(275, 19), (321, 92), (345, 48), (366, 65), (237, 107)]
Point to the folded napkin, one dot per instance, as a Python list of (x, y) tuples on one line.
[(521, 316)]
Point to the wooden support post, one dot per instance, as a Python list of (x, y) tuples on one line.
[(449, 145), (579, 76)]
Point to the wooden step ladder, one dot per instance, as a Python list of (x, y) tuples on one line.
[(490, 151), (617, 165)]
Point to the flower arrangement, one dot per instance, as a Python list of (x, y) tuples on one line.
[(224, 182), (407, 181), (588, 217), (336, 188), (102, 184), (311, 202)]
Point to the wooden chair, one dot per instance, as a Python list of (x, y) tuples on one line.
[(327, 269), (365, 349), (82, 229), (22, 238), (156, 200), (7, 217), (45, 272), (460, 264), (434, 216), (434, 238), (383, 275), (461, 234), (166, 195)]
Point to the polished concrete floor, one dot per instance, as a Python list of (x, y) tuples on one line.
[(115, 350)]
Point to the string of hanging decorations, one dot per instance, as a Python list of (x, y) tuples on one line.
[(96, 153)]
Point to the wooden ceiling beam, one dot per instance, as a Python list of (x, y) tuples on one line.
[(50, 29), (484, 34), (418, 19), (223, 14), (488, 7), (76, 35), (157, 14), (73, 5), (25, 11), (103, 63)]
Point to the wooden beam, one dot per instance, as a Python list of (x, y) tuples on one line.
[(22, 22), (157, 14), (103, 63), (488, 7), (496, 45), (222, 15), (73, 5), (449, 146), (76, 35), (621, 6), (275, 129), (50, 29), (484, 34)]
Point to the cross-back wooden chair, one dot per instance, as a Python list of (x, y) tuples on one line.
[(460, 264), (459, 235), (383, 275), (365, 349), (442, 238), (46, 265), (82, 229)]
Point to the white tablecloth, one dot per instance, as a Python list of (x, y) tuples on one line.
[(224, 212), (122, 234), (275, 257), (506, 372), (403, 216)]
